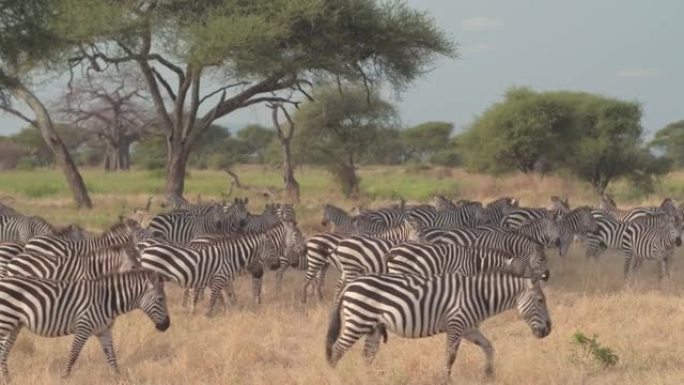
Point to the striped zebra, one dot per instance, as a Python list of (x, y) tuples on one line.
[(578, 223), (463, 237), (8, 250), (668, 207), (642, 242), (319, 249), (544, 231), (424, 214), (122, 233), (427, 260), (181, 227), (495, 211), (609, 231), (22, 228), (89, 266), (262, 222), (364, 254), (340, 220), (467, 215), (286, 238), (213, 266), (531, 252), (515, 218), (418, 307), (286, 212), (387, 217), (83, 308)]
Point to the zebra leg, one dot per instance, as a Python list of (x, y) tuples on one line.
[(341, 283), (194, 296), (216, 286), (628, 262), (230, 292), (6, 344), (257, 274), (186, 294), (80, 339), (321, 281), (107, 344), (372, 344), (279, 275), (475, 336), (454, 334)]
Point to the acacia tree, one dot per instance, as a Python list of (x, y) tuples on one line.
[(113, 109), (339, 127), (670, 141), (28, 43), (249, 51)]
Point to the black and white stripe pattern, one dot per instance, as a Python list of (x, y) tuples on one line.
[(517, 217), (97, 264), (642, 242), (22, 228), (83, 308), (286, 212), (495, 211), (181, 227), (262, 222), (214, 266), (118, 235), (319, 250), (8, 251), (469, 214), (340, 220), (531, 252), (418, 307), (427, 260), (577, 223), (609, 231)]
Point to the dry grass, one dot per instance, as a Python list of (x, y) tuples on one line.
[(281, 342)]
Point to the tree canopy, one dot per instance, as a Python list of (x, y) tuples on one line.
[(669, 140), (596, 138), (340, 127), (255, 52)]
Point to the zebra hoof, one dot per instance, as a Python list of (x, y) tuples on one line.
[(489, 372)]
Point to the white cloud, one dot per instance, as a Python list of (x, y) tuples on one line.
[(475, 48), (480, 23), (636, 73)]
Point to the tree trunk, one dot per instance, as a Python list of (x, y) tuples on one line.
[(176, 164), (291, 184), (349, 179), (53, 141)]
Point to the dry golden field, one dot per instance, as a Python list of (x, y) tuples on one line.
[(282, 342)]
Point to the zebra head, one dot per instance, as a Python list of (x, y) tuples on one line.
[(236, 212), (153, 301), (286, 212), (674, 231), (293, 236), (516, 266), (531, 304), (333, 214)]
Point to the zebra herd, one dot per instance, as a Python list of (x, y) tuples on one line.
[(58, 282), (415, 270)]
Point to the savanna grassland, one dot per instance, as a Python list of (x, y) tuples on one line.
[(282, 341)]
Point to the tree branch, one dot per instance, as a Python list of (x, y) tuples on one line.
[(19, 115), (205, 97), (164, 84)]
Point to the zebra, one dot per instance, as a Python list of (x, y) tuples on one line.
[(181, 227), (213, 266), (385, 218), (668, 207), (364, 254), (120, 234), (23, 228), (443, 203), (427, 260), (542, 230), (609, 231), (579, 222), (467, 215), (262, 222), (319, 248), (340, 220), (424, 214), (286, 212), (516, 217), (495, 211), (9, 211), (640, 242), (285, 236), (8, 250), (91, 266), (531, 252), (419, 307), (82, 308), (460, 236)]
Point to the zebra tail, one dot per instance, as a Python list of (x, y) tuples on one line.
[(383, 331), (333, 330)]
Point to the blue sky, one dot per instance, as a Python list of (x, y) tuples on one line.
[(630, 49)]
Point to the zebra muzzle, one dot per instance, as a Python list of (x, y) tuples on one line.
[(546, 275), (162, 326), (678, 241)]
